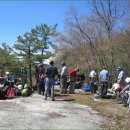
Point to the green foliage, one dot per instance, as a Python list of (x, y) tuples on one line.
[(43, 35), (30, 44), (26, 47), (9, 61)]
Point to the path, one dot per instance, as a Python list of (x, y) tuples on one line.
[(35, 113)]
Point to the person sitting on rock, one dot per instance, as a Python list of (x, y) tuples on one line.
[(125, 93), (115, 87)]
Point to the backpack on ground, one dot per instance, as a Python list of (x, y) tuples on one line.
[(11, 92), (87, 88)]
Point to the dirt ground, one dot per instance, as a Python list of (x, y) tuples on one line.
[(117, 115), (35, 113)]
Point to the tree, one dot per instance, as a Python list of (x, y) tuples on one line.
[(108, 13), (30, 43), (91, 40), (26, 47), (8, 60), (43, 35)]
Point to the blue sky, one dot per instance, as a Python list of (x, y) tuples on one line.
[(18, 17)]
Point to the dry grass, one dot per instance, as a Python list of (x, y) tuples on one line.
[(117, 115)]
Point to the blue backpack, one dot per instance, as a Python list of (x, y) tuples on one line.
[(87, 88)]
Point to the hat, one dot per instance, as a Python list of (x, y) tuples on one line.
[(119, 68), (62, 63), (7, 73), (39, 65), (127, 80)]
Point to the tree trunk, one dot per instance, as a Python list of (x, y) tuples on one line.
[(30, 69)]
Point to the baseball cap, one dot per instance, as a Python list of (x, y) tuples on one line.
[(62, 62), (119, 68)]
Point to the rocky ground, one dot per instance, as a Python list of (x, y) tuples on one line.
[(35, 113)]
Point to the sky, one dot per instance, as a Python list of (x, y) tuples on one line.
[(18, 17)]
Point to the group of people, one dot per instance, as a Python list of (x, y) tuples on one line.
[(46, 77), (11, 86), (68, 79), (66, 75), (122, 93)]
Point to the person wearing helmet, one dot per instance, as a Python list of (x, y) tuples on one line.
[(125, 93), (120, 75)]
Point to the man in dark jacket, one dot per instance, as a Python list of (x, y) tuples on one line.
[(51, 71)]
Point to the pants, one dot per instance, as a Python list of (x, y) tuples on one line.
[(72, 87), (104, 87), (63, 84), (49, 84), (124, 97), (72, 84), (128, 99), (41, 86), (94, 87), (111, 91)]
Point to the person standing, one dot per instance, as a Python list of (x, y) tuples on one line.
[(120, 77), (41, 79), (93, 78), (73, 78), (104, 79), (24, 75), (51, 71), (63, 77)]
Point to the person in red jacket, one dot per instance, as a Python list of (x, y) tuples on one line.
[(73, 78)]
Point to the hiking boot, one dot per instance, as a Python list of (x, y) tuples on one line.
[(49, 95), (45, 98), (120, 102), (53, 99)]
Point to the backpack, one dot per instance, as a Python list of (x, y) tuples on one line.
[(87, 88), (11, 92)]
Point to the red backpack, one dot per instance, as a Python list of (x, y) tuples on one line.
[(11, 92)]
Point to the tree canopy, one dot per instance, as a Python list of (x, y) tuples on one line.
[(31, 43)]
